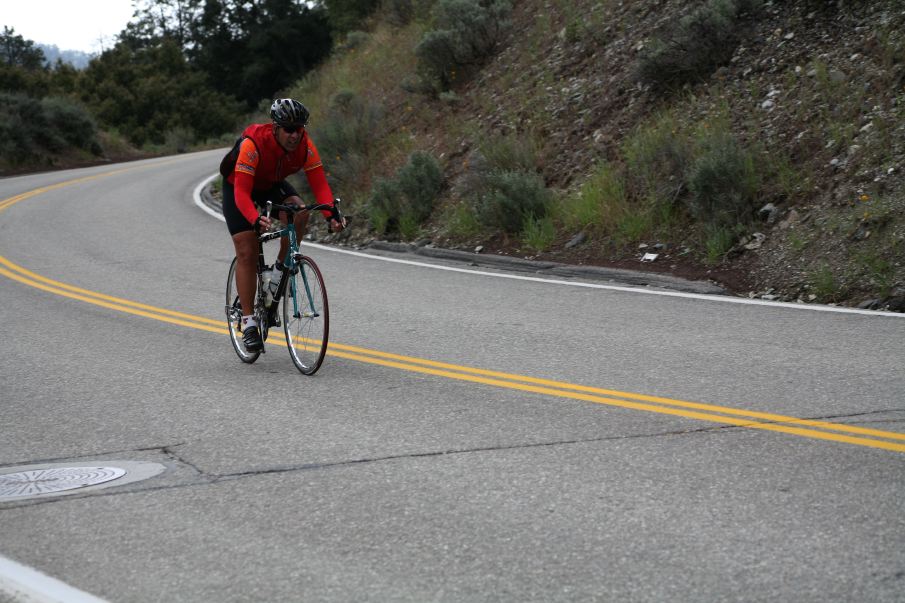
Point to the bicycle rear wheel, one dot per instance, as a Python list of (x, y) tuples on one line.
[(306, 317), (234, 318)]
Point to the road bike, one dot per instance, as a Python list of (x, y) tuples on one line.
[(301, 295)]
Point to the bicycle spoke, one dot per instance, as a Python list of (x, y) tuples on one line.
[(306, 317), (234, 318)]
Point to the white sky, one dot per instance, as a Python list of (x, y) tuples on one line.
[(70, 24)]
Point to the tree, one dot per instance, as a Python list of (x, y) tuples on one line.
[(154, 19), (347, 15), (249, 49), (148, 92), (16, 51)]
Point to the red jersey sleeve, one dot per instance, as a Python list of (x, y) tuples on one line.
[(317, 178), (244, 179)]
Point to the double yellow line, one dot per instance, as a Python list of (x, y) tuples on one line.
[(822, 430), (6, 203), (849, 434)]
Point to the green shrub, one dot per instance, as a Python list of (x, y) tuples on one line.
[(32, 130), (698, 44), (450, 98), (351, 123), (879, 271), (538, 234), (718, 240), (384, 205), (409, 226), (825, 284), (402, 203), (402, 12), (466, 32), (346, 15), (511, 153), (657, 157), (344, 137), (72, 122), (16, 143), (460, 221), (354, 40), (511, 198), (420, 180), (723, 182), (600, 202), (178, 140), (634, 225), (503, 186), (436, 61), (399, 12), (379, 219)]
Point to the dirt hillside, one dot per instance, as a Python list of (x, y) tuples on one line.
[(815, 90)]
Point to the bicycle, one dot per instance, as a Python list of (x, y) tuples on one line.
[(305, 311)]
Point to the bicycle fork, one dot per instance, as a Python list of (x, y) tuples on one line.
[(296, 264)]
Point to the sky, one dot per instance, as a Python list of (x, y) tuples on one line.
[(70, 24)]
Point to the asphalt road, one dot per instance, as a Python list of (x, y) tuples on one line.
[(469, 438)]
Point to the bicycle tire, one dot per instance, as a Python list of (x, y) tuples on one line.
[(234, 318), (306, 326)]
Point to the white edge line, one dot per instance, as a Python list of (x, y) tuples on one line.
[(702, 296), (196, 196), (18, 580)]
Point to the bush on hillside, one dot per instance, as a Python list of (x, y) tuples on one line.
[(31, 129), (402, 12), (402, 203), (354, 40), (696, 45), (600, 202), (347, 15), (502, 185), (723, 182), (465, 33), (344, 137), (420, 180), (512, 153), (657, 157), (399, 12), (384, 205), (70, 124), (511, 199)]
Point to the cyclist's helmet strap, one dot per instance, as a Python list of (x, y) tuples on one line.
[(288, 112)]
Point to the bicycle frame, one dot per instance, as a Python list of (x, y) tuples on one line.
[(293, 255), (307, 316)]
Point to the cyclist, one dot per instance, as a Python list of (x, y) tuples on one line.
[(255, 172)]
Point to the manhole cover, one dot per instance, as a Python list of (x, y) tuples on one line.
[(38, 481), (45, 481)]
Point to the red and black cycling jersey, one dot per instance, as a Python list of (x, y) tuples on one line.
[(262, 163)]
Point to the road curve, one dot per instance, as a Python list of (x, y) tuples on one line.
[(469, 438)]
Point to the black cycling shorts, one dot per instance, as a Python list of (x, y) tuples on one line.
[(235, 221)]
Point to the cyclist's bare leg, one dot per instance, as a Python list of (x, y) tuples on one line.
[(246, 244)]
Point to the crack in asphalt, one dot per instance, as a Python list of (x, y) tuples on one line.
[(174, 456), (415, 455), (206, 478), (866, 413), (93, 455)]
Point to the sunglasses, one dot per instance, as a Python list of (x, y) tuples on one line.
[(292, 129)]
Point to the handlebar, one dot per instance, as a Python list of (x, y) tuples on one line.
[(293, 209), (335, 214)]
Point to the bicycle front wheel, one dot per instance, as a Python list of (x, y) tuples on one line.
[(306, 317), (234, 318)]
